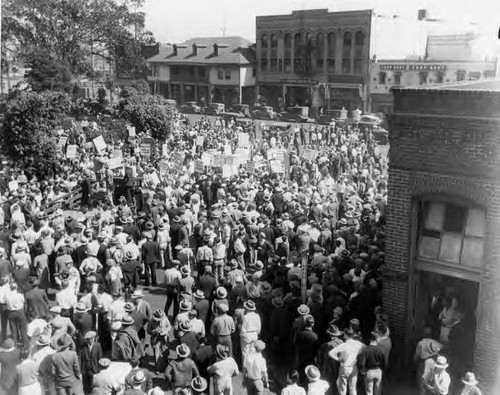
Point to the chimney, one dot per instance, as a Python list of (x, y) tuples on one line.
[(422, 15), (195, 49), (216, 49), (174, 47)]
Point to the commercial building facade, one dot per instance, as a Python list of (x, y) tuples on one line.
[(447, 59), (314, 58), (443, 225), (205, 70)]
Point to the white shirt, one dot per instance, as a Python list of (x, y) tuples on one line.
[(293, 389), (318, 387), (14, 301), (255, 366), (346, 353)]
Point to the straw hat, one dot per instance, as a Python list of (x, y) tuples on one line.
[(182, 350), (312, 372), (441, 362), (469, 379)]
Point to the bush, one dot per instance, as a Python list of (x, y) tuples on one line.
[(30, 122)]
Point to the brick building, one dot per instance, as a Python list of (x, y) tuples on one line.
[(443, 224), (205, 70)]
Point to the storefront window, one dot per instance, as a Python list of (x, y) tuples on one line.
[(397, 78), (452, 233)]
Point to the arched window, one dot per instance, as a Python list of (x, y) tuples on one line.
[(320, 51), (359, 43), (332, 44), (263, 41), (274, 52), (297, 53), (346, 52), (287, 42)]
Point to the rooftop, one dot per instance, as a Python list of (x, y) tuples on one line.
[(202, 50), (492, 85)]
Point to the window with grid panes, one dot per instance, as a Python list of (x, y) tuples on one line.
[(452, 233)]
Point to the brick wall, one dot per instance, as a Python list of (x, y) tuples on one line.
[(458, 157)]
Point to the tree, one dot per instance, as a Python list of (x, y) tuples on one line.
[(71, 31), (47, 74), (148, 113), (30, 121)]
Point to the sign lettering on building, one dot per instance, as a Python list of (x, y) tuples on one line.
[(412, 67)]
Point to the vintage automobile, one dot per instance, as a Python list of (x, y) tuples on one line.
[(237, 117), (241, 108), (331, 116), (191, 107), (215, 108), (264, 112), (296, 114)]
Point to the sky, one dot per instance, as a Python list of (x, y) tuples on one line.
[(174, 21)]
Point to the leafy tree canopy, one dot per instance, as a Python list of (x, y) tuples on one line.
[(47, 74), (148, 113), (73, 30), (31, 119)]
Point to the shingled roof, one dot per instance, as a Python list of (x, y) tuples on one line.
[(211, 50)]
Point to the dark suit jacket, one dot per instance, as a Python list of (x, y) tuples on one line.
[(150, 252), (37, 302), (8, 361), (89, 359)]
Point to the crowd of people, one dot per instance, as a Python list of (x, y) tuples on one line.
[(276, 275)]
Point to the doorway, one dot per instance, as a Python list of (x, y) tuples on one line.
[(445, 310)]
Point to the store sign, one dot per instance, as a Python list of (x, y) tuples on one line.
[(412, 67)]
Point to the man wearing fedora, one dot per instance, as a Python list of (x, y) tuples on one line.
[(105, 383), (89, 356), (316, 385), (159, 328), (328, 368), (222, 371), (66, 368), (250, 329), (435, 379), (470, 385), (223, 327), (181, 371), (255, 370)]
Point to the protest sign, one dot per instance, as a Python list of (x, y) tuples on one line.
[(99, 143), (155, 180), (114, 163), (198, 166), (310, 154), (117, 153), (207, 159), (227, 150), (200, 140), (13, 185), (164, 168), (250, 167), (145, 150), (71, 151), (243, 140), (276, 166), (131, 131)]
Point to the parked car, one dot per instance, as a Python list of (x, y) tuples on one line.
[(264, 112), (329, 116), (369, 119), (191, 107), (241, 108), (215, 108)]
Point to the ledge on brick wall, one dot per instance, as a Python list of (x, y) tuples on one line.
[(395, 275)]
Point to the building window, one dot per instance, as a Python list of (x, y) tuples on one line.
[(263, 64), (297, 42), (439, 77), (331, 44), (320, 52), (358, 66), (346, 65), (254, 71), (274, 42), (202, 72), (155, 71), (228, 74), (274, 65), (488, 74), (422, 78), (359, 43), (297, 65), (220, 74), (330, 65), (382, 77), (280, 65), (474, 75), (288, 66), (397, 78), (346, 52), (461, 74), (263, 41), (452, 233)]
